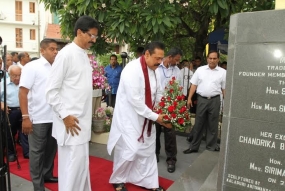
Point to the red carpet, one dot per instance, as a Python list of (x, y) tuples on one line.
[(100, 172)]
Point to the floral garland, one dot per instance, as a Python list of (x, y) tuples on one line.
[(173, 105), (99, 80)]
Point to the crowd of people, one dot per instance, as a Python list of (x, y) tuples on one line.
[(48, 104)]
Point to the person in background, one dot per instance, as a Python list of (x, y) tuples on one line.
[(224, 65), (139, 52), (24, 58), (208, 107), (14, 113), (15, 57), (168, 69), (113, 73)]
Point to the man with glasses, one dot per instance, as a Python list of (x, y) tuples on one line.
[(69, 92), (13, 112), (168, 69)]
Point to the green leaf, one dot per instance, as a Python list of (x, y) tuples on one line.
[(122, 27), (222, 4), (167, 22)]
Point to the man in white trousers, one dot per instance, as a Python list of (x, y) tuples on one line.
[(69, 92), (132, 132)]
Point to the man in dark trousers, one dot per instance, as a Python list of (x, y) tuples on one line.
[(168, 69), (210, 82)]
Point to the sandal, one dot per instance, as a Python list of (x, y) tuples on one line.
[(120, 187)]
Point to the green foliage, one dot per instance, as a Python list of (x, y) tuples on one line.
[(182, 23)]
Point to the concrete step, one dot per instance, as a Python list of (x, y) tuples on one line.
[(201, 175)]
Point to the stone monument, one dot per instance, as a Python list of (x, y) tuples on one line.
[(253, 133)]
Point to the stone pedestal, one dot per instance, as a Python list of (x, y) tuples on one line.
[(101, 138)]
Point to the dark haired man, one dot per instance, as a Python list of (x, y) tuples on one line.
[(37, 115), (208, 106), (113, 73), (69, 92), (168, 69), (15, 57), (139, 51), (132, 133), (24, 58)]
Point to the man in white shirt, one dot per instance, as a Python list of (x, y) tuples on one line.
[(132, 132), (37, 115), (24, 58), (69, 92), (15, 57), (210, 82), (168, 69), (186, 74)]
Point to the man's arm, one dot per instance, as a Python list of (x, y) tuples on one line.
[(191, 93), (23, 99)]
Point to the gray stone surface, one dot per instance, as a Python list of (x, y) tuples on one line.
[(252, 157), (199, 175)]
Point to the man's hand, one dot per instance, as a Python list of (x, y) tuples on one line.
[(161, 122), (27, 126), (189, 103), (2, 107), (71, 126)]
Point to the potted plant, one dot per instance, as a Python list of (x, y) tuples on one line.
[(102, 119)]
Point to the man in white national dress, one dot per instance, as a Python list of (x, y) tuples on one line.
[(69, 92), (132, 132)]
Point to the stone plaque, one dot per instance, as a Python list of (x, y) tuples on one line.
[(253, 133)]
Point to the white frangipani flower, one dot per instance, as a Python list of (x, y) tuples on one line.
[(103, 5)]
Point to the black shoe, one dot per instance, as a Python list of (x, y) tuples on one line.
[(26, 157), (51, 180), (120, 187), (157, 157), (217, 148), (170, 168), (188, 151), (12, 158)]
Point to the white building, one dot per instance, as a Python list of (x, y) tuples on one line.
[(22, 25)]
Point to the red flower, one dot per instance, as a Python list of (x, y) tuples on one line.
[(180, 88), (173, 115), (171, 108), (166, 118), (180, 121), (159, 111), (171, 82), (179, 98), (173, 78), (162, 98), (182, 110), (168, 98), (171, 91), (161, 104), (175, 104)]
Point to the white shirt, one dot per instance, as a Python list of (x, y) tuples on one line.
[(69, 92), (131, 111), (20, 65), (34, 76), (186, 75), (210, 82), (167, 73)]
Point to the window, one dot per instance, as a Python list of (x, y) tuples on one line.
[(32, 34), (19, 38), (32, 7), (18, 10)]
